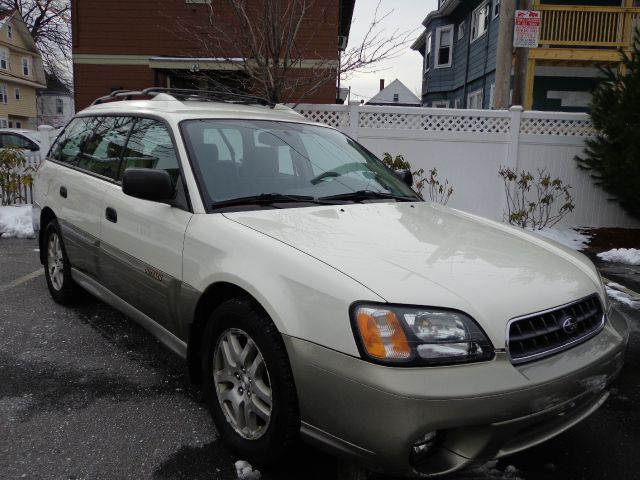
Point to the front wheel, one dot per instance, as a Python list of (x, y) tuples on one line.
[(57, 268), (249, 384)]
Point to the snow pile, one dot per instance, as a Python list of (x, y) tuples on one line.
[(490, 470), (244, 471), (616, 291), (15, 221), (630, 256), (567, 237)]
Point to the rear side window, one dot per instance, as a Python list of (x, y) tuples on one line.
[(102, 150), (150, 146), (68, 146)]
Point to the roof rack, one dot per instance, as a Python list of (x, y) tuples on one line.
[(185, 94)]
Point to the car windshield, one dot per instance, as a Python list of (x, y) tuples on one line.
[(264, 162)]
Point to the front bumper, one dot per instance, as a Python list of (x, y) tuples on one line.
[(481, 411)]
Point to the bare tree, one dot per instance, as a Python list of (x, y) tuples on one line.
[(49, 23), (273, 45), (376, 46)]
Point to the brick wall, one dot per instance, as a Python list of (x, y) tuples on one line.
[(152, 28)]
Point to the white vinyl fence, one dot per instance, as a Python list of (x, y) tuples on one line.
[(469, 146), (47, 136)]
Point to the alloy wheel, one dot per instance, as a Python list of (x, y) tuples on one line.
[(242, 384), (55, 261)]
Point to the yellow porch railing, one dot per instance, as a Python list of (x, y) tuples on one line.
[(586, 26)]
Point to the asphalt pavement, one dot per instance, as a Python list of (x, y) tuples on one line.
[(87, 394)]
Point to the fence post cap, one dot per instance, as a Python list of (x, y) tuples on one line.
[(44, 128), (516, 108)]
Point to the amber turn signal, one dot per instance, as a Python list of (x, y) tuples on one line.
[(382, 334)]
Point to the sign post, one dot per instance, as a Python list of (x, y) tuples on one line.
[(527, 29)]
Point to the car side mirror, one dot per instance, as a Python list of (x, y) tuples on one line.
[(405, 175), (148, 184)]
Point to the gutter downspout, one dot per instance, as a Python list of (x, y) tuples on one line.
[(466, 66)]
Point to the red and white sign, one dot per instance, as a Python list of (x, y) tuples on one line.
[(527, 29)]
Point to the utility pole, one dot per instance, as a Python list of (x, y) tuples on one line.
[(521, 65), (505, 58), (504, 55)]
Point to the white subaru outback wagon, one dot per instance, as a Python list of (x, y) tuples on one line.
[(313, 293)]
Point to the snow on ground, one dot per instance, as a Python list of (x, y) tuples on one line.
[(490, 470), (616, 291), (15, 221), (244, 471), (566, 236), (630, 256)]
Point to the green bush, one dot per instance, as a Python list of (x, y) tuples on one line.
[(613, 155), (14, 176), (439, 192), (535, 202)]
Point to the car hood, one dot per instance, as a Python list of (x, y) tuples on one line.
[(424, 254)]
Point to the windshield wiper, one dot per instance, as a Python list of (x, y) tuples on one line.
[(361, 195), (266, 199)]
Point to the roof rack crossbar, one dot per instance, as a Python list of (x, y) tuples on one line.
[(186, 94)]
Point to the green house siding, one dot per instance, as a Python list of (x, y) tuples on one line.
[(473, 63)]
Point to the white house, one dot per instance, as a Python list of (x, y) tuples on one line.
[(396, 93), (55, 104)]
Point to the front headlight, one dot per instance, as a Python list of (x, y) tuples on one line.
[(414, 336)]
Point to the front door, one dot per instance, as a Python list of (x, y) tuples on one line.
[(142, 241)]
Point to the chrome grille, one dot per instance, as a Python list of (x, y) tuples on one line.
[(545, 333)]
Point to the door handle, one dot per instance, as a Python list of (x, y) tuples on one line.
[(63, 192), (111, 215)]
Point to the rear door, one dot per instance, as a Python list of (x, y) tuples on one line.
[(75, 194), (142, 241)]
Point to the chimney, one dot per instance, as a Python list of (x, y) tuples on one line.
[(382, 84)]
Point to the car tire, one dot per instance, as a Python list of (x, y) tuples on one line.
[(248, 382), (57, 269)]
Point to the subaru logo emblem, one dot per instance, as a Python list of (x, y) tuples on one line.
[(569, 325)]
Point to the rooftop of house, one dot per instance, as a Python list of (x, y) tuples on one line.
[(55, 86), (447, 8), (386, 95)]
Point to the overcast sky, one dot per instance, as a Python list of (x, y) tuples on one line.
[(406, 15)]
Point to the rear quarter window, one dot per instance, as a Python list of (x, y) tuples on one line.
[(69, 144)]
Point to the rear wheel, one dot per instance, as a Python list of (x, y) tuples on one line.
[(249, 384), (57, 268)]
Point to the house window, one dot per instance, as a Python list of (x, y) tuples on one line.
[(59, 106), (9, 32), (491, 92), (440, 104), (496, 8), (461, 27), (4, 97), (18, 124), (17, 93), (427, 54), (396, 97), (457, 103), (474, 100), (479, 21), (4, 123), (444, 46), (4, 58), (25, 66)]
